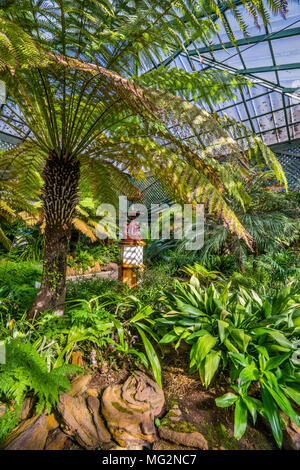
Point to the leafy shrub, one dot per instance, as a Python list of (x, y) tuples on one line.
[(27, 371), (255, 337), (17, 285), (106, 253), (226, 264), (28, 245), (14, 273), (200, 273)]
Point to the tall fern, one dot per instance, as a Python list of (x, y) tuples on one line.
[(26, 371)]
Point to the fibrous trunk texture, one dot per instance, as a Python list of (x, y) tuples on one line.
[(60, 197)]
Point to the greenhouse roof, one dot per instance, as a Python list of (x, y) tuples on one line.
[(270, 58)]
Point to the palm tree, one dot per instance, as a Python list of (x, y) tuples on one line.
[(88, 110), (268, 213)]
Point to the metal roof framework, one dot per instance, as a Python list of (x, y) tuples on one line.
[(270, 60)]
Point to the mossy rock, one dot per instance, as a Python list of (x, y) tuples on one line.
[(175, 429)]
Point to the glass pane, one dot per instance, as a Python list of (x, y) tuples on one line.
[(292, 16), (289, 78), (286, 50), (257, 55)]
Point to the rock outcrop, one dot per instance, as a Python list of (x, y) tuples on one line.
[(57, 440), (94, 407), (76, 420), (131, 408), (175, 429), (291, 434), (79, 384), (31, 434)]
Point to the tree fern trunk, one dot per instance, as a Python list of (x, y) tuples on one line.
[(60, 196)]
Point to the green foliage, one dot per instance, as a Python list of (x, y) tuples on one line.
[(271, 216), (86, 256), (26, 370), (17, 285), (14, 198), (27, 245), (201, 274), (90, 288), (143, 323), (256, 337), (85, 109), (211, 87), (225, 264), (9, 421), (156, 250), (268, 272)]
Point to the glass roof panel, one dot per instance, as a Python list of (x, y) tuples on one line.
[(269, 57), (248, 19), (286, 50), (256, 55), (292, 16)]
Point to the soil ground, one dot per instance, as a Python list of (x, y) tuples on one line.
[(198, 405)]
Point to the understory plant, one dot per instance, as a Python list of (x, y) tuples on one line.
[(255, 338), (26, 371), (270, 215)]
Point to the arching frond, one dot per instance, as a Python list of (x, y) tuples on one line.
[(84, 228)]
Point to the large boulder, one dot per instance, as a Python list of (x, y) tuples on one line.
[(130, 409), (174, 428)]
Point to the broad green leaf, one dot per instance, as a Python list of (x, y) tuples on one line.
[(253, 406), (222, 326), (240, 419), (230, 346), (144, 313), (292, 391), (282, 401), (226, 400), (169, 337), (152, 356), (241, 338), (248, 374), (275, 334), (275, 361), (270, 411), (183, 335), (204, 345), (211, 366)]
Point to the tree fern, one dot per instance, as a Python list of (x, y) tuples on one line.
[(271, 217), (85, 91)]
